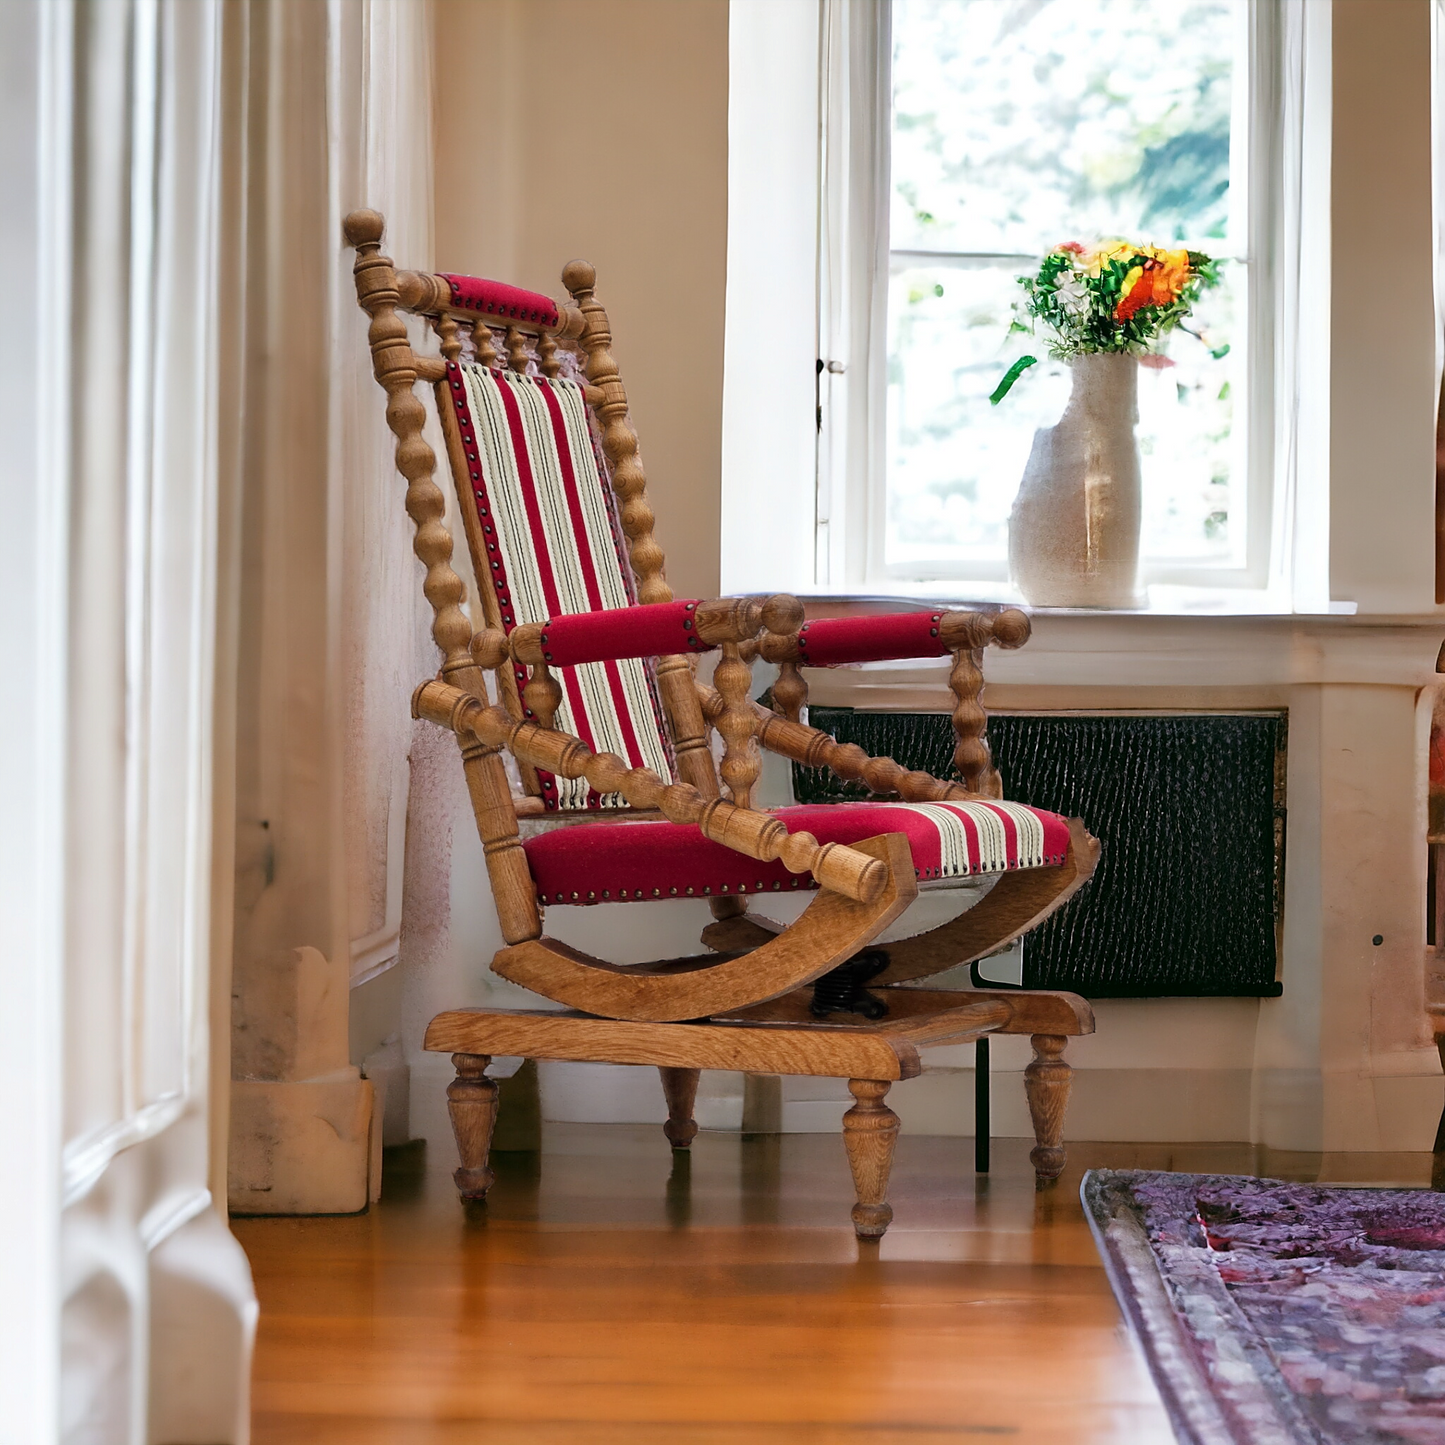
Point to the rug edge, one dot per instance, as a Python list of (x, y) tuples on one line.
[(1143, 1297)]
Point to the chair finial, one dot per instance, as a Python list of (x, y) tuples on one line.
[(363, 228), (579, 276)]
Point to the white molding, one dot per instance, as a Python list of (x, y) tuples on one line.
[(85, 1159), (169, 1215), (769, 440)]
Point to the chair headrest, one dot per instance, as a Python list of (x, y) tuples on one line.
[(494, 298)]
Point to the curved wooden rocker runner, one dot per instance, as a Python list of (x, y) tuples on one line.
[(582, 669)]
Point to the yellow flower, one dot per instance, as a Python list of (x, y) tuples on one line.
[(1095, 259)]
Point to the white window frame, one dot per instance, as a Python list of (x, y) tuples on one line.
[(809, 88)]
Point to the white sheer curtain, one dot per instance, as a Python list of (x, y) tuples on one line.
[(129, 1313), (208, 622)]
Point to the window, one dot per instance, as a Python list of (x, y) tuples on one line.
[(1000, 128)]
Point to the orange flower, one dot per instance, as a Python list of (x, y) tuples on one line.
[(1138, 290), (1156, 281)]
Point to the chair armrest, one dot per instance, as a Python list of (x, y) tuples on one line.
[(755, 834), (893, 636), (659, 629)]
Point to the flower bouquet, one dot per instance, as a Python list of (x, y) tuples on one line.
[(1117, 296), (1074, 528)]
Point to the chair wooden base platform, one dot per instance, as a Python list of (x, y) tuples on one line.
[(777, 1037)]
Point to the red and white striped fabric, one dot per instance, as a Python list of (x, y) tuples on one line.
[(632, 862), (554, 549)]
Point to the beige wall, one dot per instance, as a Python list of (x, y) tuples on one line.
[(565, 128), (1343, 1060)]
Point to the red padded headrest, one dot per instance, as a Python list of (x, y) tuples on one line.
[(493, 298)]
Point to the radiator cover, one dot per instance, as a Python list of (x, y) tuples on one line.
[(1190, 808)]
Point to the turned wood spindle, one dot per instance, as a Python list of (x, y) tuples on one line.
[(472, 1104), (484, 345), (542, 695), (1047, 1081), (741, 762), (450, 336), (676, 683), (517, 353), (815, 749), (967, 634), (790, 691), (870, 1130), (971, 754), (548, 362)]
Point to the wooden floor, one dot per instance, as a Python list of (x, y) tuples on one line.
[(615, 1294)]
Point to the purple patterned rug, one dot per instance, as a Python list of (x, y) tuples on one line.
[(1279, 1314)]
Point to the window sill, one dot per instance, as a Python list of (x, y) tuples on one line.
[(1169, 654), (1164, 600)]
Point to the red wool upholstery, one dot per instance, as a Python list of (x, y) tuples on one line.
[(628, 862), (492, 298), (554, 549), (658, 629), (832, 640)]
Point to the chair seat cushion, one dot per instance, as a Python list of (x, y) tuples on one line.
[(631, 862)]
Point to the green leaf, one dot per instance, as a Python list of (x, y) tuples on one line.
[(1011, 376)]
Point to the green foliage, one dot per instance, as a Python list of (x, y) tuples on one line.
[(1085, 298)]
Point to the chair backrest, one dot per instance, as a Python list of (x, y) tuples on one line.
[(552, 493), (549, 544)]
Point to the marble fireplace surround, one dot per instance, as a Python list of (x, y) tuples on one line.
[(1344, 1059)]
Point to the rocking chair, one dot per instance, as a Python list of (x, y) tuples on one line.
[(594, 694)]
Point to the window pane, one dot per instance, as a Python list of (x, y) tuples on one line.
[(954, 461), (1018, 124), (1021, 123)]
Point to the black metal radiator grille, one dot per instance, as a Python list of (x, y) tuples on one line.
[(1189, 808)]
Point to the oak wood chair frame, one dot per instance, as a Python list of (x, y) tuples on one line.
[(746, 1005)]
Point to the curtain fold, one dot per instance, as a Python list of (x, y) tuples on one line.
[(331, 111)]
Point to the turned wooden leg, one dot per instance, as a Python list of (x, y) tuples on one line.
[(870, 1130), (1047, 1081), (472, 1103), (680, 1086)]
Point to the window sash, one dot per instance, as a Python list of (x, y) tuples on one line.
[(855, 261)]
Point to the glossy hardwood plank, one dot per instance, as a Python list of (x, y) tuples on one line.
[(614, 1292)]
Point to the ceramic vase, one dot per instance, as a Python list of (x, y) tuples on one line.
[(1074, 529)]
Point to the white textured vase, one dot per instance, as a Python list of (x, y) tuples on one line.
[(1073, 536)]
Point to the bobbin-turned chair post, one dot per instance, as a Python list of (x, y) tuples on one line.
[(397, 369), (608, 398)]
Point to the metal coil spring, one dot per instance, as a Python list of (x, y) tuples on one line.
[(842, 989)]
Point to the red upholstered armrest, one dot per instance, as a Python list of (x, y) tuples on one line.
[(494, 298), (650, 630), (895, 635)]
